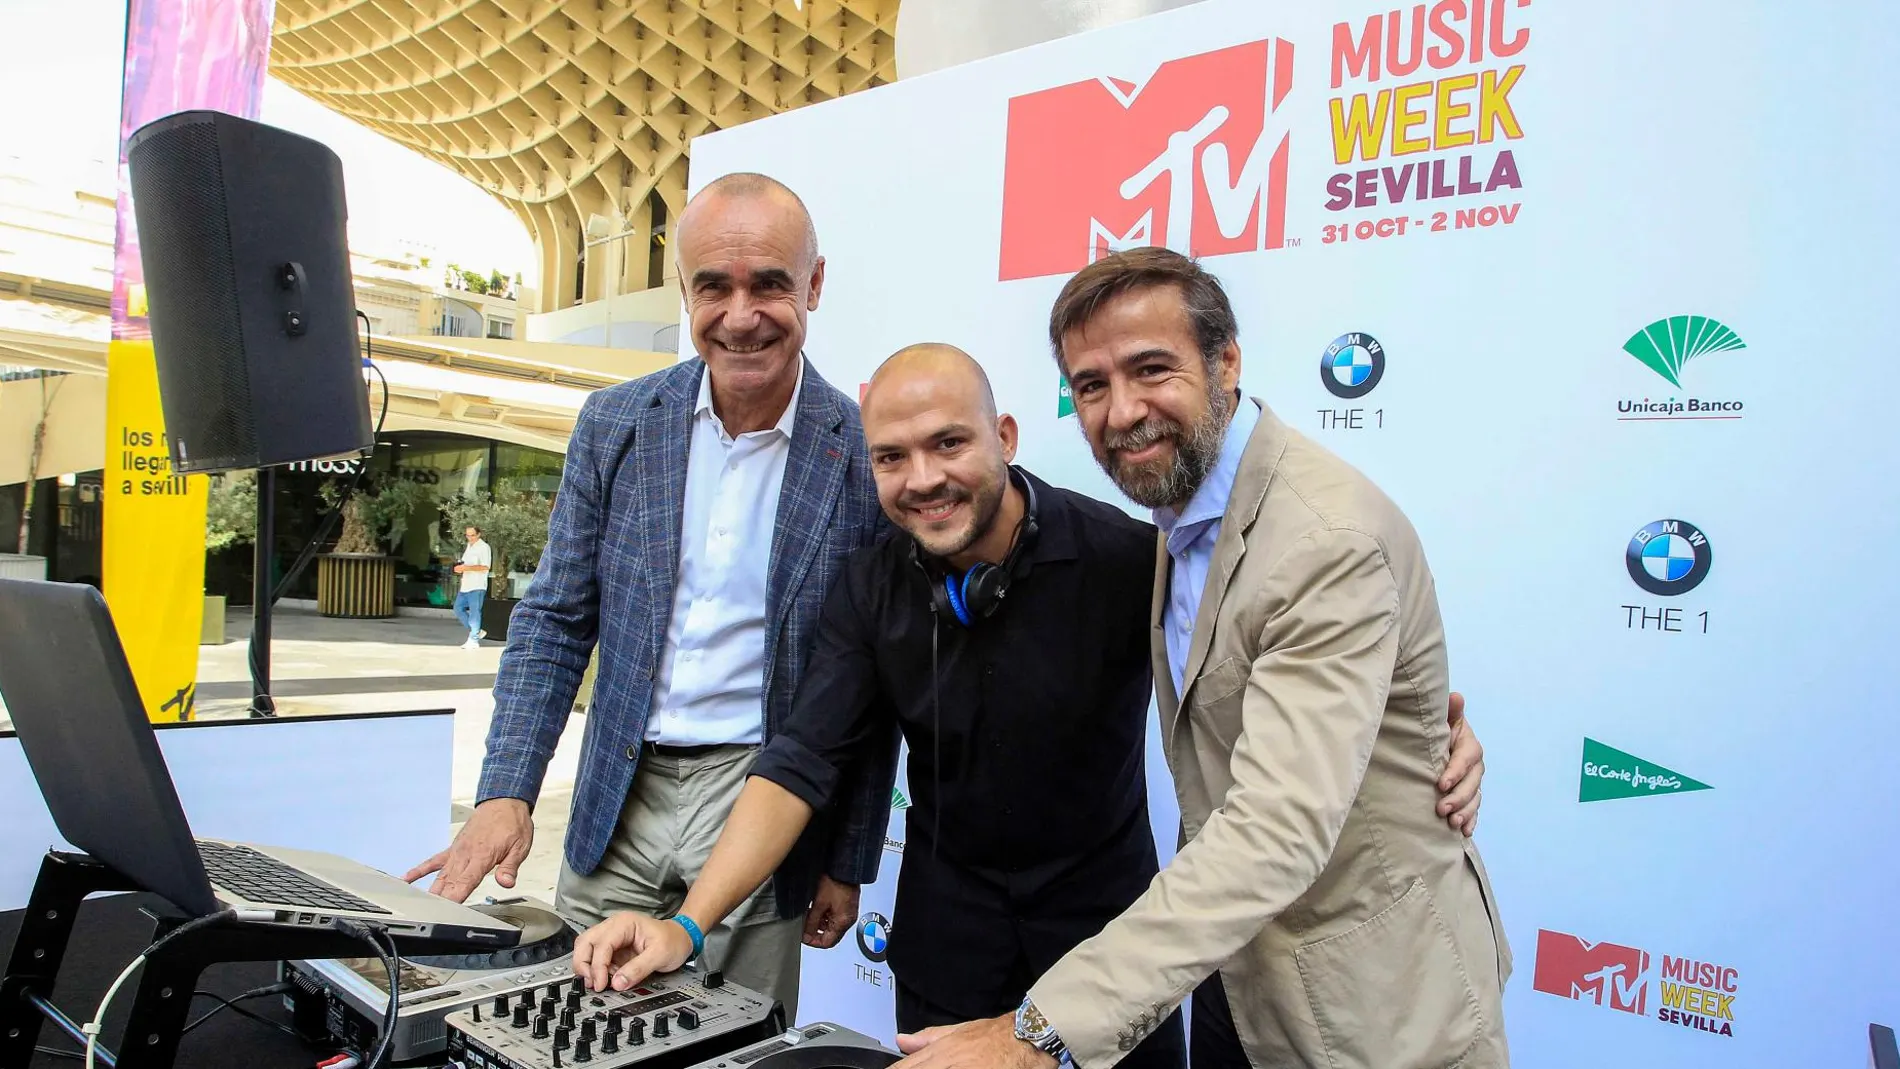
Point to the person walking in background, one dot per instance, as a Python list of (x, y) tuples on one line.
[(476, 561)]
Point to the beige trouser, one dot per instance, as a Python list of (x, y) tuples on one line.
[(667, 828)]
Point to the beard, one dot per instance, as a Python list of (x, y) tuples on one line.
[(986, 501), (1171, 480)]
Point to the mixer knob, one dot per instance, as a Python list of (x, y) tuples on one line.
[(689, 1019), (527, 999), (582, 1053), (614, 1026), (610, 1043), (501, 1006), (547, 1006), (540, 1027), (637, 1031), (567, 1018), (561, 1038), (574, 998), (587, 1030), (659, 1026)]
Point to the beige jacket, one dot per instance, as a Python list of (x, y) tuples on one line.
[(1352, 927)]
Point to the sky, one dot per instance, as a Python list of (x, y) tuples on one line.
[(60, 70)]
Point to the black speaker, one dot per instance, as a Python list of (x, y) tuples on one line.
[(241, 228)]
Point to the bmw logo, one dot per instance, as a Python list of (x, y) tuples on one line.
[(1669, 557), (1352, 365), (874, 936)]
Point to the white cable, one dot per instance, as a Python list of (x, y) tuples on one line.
[(94, 1026), (91, 1028)]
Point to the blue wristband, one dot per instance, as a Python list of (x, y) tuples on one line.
[(692, 929)]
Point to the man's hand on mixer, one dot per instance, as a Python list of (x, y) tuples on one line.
[(495, 839), (626, 948)]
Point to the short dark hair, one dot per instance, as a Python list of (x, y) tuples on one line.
[(472, 527), (1209, 312)]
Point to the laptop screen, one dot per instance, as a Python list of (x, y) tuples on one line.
[(83, 729)]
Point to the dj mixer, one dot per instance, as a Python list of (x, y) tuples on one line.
[(671, 1021)]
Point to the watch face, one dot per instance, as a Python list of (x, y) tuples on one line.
[(1031, 1022)]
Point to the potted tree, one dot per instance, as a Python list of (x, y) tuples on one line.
[(357, 578), (515, 525), (230, 520)]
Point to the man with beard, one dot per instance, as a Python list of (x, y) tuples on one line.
[(1299, 657), (1006, 639)]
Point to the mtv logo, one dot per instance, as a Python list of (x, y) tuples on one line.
[(1189, 158), (1571, 968)]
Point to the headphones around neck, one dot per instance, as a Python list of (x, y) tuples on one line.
[(977, 593)]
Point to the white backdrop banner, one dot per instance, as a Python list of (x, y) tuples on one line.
[(369, 787), (1545, 271)]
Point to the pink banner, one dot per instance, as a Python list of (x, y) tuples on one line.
[(180, 55)]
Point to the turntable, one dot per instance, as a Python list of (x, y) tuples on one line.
[(822, 1045), (344, 999)]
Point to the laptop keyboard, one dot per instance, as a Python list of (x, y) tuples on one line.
[(262, 878)]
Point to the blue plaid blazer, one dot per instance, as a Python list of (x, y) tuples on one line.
[(607, 577)]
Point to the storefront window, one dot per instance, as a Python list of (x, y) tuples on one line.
[(525, 468), (443, 464)]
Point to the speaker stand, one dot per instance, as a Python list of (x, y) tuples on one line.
[(262, 705)]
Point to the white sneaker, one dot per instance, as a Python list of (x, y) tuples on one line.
[(479, 635), (471, 643)]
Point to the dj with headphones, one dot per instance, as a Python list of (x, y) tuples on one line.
[(1003, 633)]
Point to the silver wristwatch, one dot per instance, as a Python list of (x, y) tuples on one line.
[(1034, 1029)]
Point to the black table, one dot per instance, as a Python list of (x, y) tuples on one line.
[(110, 932)]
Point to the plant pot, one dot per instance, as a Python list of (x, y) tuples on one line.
[(212, 633), (495, 613), (356, 585), (22, 566)]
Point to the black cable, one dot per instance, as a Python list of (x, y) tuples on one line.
[(98, 1022), (232, 1005), (328, 524), (75, 1055), (368, 933), (330, 520)]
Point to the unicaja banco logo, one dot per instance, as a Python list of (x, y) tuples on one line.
[(898, 801), (874, 936), (1668, 557), (1688, 993), (1610, 773), (1352, 365), (1193, 157), (1665, 347), (1667, 344)]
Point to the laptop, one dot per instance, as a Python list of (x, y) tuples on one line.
[(76, 710)]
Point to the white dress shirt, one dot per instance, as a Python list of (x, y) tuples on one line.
[(1191, 536), (711, 680)]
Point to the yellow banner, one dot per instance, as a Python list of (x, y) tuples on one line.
[(154, 552)]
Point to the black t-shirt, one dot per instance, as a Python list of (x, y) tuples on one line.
[(1029, 828)]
